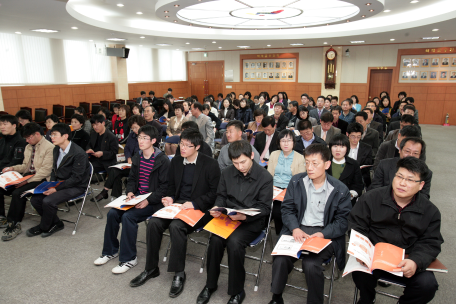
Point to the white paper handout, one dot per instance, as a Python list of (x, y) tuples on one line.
[(168, 212), (120, 201), (121, 166)]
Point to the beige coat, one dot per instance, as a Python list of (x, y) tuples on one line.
[(172, 123), (43, 160), (297, 166)]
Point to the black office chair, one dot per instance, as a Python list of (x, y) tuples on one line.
[(40, 116), (96, 108), (85, 106), (69, 111), (131, 103), (58, 110), (105, 103)]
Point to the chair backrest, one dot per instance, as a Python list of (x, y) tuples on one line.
[(131, 103), (104, 103), (95, 108), (57, 110), (40, 115), (3, 113), (85, 106), (28, 109), (69, 111), (112, 104)]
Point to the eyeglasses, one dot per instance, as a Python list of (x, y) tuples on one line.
[(143, 138), (186, 146), (355, 137), (285, 141), (313, 165), (306, 132), (407, 180), (54, 135), (30, 137)]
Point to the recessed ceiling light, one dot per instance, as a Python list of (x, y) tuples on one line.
[(176, 5), (371, 10), (74, 28), (363, 16), (142, 37), (197, 49), (163, 44), (368, 3), (414, 1), (214, 42), (243, 46), (435, 30), (44, 31), (392, 39), (296, 44), (348, 20), (387, 11), (18, 33), (187, 42), (190, 24), (429, 38), (120, 5), (359, 41), (166, 12), (116, 39), (325, 42), (175, 21), (268, 45), (139, 13), (210, 27), (220, 47), (166, 16)]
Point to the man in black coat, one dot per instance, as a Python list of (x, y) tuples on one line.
[(12, 145), (339, 123), (384, 174), (378, 126), (306, 138), (399, 214), (148, 173), (280, 118), (315, 205), (316, 113), (103, 146), (193, 180), (360, 151), (266, 141), (205, 148), (369, 136), (72, 168)]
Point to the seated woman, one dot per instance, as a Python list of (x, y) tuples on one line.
[(78, 135), (136, 109), (87, 124), (245, 113), (236, 106), (271, 104), (107, 114), (255, 125), (356, 104), (283, 164), (121, 129), (186, 112), (50, 121), (385, 108), (174, 130), (262, 105), (344, 168), (115, 175), (167, 111), (303, 114), (226, 111)]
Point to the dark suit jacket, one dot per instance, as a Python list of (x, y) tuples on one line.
[(205, 181), (229, 114), (205, 149), (363, 158), (394, 125), (329, 135), (109, 146), (299, 145), (342, 125), (371, 138), (264, 108), (282, 122), (351, 176), (386, 150), (74, 168), (314, 113), (379, 127), (260, 142), (386, 171)]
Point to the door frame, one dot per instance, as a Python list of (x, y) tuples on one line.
[(393, 70), (189, 63)]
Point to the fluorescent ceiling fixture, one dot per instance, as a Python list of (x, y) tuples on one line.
[(18, 33), (74, 28), (220, 47), (392, 39), (214, 42), (268, 45), (360, 41), (325, 42), (428, 38), (387, 11), (139, 13), (116, 39), (163, 44), (187, 42), (44, 31), (140, 45), (120, 5), (296, 44), (414, 1), (90, 40), (197, 49), (177, 49), (142, 37), (243, 46), (435, 30)]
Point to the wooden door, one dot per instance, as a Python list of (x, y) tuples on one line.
[(197, 76), (215, 76), (380, 80), (206, 77)]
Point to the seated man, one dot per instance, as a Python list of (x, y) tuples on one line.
[(281, 120), (24, 117), (193, 180), (71, 166), (369, 136), (12, 144), (103, 146), (390, 149), (384, 174), (315, 205), (205, 149), (406, 110), (38, 161), (347, 115), (233, 133), (207, 111), (401, 215), (148, 173), (319, 110), (204, 123), (292, 114), (406, 120), (397, 116), (339, 123), (244, 185), (360, 151), (149, 114), (307, 137), (266, 141), (325, 129), (374, 124)]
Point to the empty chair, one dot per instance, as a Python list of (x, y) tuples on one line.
[(96, 108), (40, 115), (69, 111), (104, 103), (131, 103), (85, 106), (58, 110)]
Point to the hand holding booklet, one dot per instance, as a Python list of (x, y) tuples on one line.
[(174, 211), (287, 245), (43, 187), (222, 226), (121, 166), (382, 256), (121, 202), (12, 178), (229, 211)]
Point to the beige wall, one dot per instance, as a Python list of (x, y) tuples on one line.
[(2, 107)]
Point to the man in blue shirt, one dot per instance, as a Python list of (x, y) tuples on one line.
[(346, 114)]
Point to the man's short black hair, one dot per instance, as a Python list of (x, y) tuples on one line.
[(24, 114), (169, 96), (258, 112), (79, 118), (371, 101), (415, 140), (9, 118), (340, 140), (335, 97), (305, 94), (190, 124), (414, 165), (409, 107), (136, 119), (142, 93), (362, 114), (320, 149), (151, 93), (237, 124), (410, 131), (30, 129), (407, 118), (322, 97), (268, 121), (52, 117), (355, 127), (97, 118), (327, 117), (219, 95), (279, 104), (170, 90), (115, 106), (206, 106), (369, 109), (151, 108), (294, 103), (337, 108), (198, 106), (402, 93), (105, 111), (410, 99), (149, 130), (62, 129), (404, 101), (238, 148), (304, 124), (285, 133), (193, 136), (349, 100)]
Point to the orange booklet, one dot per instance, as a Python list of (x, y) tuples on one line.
[(189, 216), (278, 194), (222, 226), (12, 178), (382, 256), (288, 246)]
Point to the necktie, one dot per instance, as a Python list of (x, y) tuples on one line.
[(319, 113), (32, 165), (266, 147), (324, 135)]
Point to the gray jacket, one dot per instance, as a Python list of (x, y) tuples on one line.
[(224, 159)]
